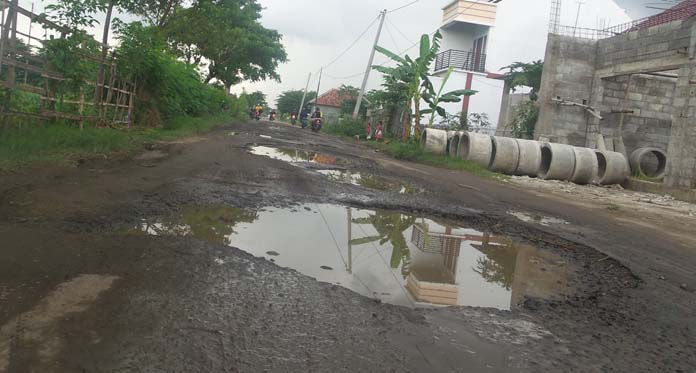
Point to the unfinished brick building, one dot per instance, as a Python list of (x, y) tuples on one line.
[(633, 84)]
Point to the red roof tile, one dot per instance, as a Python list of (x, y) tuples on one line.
[(684, 10), (333, 98)]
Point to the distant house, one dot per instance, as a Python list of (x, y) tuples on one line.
[(331, 103)]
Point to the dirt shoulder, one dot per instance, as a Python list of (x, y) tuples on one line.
[(79, 290)]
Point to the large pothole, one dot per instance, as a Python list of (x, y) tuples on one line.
[(398, 258)]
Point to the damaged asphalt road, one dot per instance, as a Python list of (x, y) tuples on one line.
[(163, 263)]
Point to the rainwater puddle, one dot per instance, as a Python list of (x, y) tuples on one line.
[(368, 181), (398, 258), (537, 219), (293, 155)]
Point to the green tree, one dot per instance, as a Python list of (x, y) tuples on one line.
[(256, 98), (433, 98), (522, 74), (411, 76), (289, 101), (229, 39)]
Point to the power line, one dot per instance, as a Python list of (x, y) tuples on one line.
[(391, 36), (399, 30), (352, 44), (403, 6)]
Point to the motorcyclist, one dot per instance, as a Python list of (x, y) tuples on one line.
[(317, 113), (272, 115), (259, 109), (304, 114)]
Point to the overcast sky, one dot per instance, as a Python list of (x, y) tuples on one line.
[(315, 32)]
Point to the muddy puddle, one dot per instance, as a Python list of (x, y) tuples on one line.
[(368, 181), (537, 219), (398, 258), (293, 155)]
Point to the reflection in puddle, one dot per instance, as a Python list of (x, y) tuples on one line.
[(538, 219), (293, 155), (368, 181), (398, 258)]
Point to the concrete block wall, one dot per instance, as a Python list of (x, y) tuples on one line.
[(650, 97), (657, 43), (569, 69), (681, 164)]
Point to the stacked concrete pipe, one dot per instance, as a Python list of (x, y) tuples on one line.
[(586, 166), (505, 156), (454, 145), (434, 141), (476, 148), (637, 160), (557, 162), (529, 158), (613, 168)]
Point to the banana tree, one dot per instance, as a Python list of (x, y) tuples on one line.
[(433, 98), (412, 73)]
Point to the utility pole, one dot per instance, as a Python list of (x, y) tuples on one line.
[(383, 15), (318, 87), (304, 96)]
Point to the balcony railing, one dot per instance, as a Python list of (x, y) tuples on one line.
[(467, 61)]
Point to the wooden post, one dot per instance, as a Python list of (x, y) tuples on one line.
[(11, 77), (131, 104), (109, 92)]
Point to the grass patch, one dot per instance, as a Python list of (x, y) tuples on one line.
[(60, 143), (414, 153), (613, 207), (643, 177), (347, 128)]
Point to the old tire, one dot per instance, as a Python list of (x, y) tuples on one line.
[(529, 159), (586, 166), (506, 155), (650, 162), (434, 141), (613, 168), (475, 148), (557, 162)]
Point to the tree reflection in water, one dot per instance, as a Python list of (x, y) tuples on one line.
[(214, 224), (390, 227), (498, 265)]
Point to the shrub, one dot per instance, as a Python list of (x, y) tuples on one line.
[(350, 128)]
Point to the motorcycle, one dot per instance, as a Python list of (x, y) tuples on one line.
[(316, 125), (293, 119), (257, 116), (272, 117), (303, 123)]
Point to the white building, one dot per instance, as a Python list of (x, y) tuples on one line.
[(466, 29)]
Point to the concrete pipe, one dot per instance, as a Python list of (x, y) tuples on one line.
[(650, 162), (613, 168), (476, 148), (530, 158), (434, 141), (557, 162), (450, 137), (454, 145), (586, 166), (506, 155)]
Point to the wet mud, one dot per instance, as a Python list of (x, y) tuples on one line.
[(268, 248)]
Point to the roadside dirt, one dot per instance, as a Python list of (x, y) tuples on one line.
[(84, 287)]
